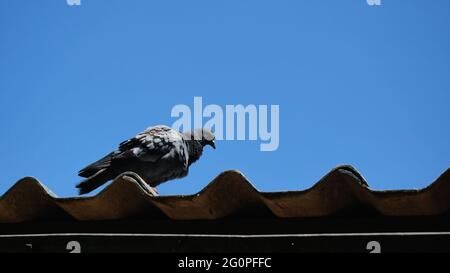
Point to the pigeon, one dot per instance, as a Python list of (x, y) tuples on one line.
[(157, 155)]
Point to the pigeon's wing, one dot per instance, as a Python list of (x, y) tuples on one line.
[(150, 145)]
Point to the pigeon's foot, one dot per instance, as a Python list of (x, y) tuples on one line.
[(144, 186)]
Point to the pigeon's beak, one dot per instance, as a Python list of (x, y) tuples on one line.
[(212, 144)]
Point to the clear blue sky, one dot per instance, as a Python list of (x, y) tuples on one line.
[(361, 85)]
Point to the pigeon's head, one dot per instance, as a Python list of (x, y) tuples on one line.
[(204, 137), (196, 140)]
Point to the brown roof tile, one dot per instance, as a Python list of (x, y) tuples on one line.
[(228, 194)]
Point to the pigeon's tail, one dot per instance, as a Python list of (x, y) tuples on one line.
[(94, 181), (97, 166)]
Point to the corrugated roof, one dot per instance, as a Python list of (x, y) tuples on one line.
[(228, 194)]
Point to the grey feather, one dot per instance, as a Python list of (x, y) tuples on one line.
[(158, 154)]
